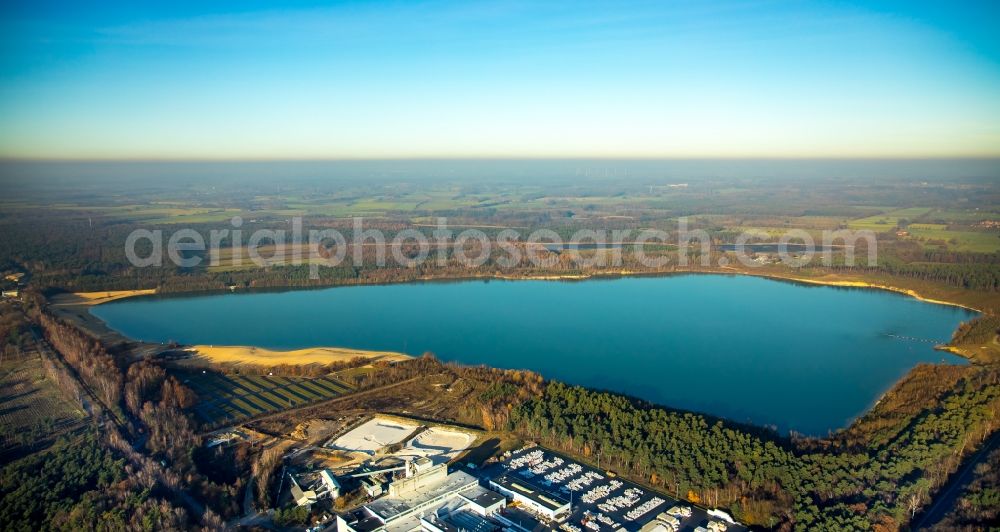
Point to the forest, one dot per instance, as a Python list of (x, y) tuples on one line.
[(763, 479)]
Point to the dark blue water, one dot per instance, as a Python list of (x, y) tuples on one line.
[(805, 358)]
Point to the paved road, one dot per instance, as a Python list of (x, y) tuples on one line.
[(947, 498)]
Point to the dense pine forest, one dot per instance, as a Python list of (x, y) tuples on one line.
[(766, 480)]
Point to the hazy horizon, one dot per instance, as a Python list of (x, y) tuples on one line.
[(595, 169), (447, 79)]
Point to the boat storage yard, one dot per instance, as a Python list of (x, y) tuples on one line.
[(578, 498)]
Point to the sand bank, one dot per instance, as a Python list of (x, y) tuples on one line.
[(266, 357), (96, 298)]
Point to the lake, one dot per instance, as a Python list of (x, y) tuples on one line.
[(798, 357)]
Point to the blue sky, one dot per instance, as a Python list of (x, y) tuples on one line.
[(253, 80)]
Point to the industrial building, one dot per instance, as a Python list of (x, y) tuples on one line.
[(330, 482), (457, 521), (545, 490), (543, 503), (420, 474), (325, 485), (483, 501), (428, 498), (300, 496)]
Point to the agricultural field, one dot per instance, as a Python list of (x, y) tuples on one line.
[(922, 215), (934, 235), (152, 213), (31, 407), (937, 228), (354, 202), (225, 399), (888, 221)]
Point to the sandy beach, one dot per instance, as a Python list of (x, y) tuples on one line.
[(267, 357), (96, 298)]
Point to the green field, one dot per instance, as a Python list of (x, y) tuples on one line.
[(936, 228), (922, 215), (934, 235), (225, 399), (889, 220)]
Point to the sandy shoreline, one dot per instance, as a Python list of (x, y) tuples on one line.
[(862, 284), (775, 276), (245, 354), (96, 298)]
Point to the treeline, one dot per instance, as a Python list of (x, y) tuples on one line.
[(159, 400), (686, 454), (503, 388), (763, 479), (285, 370), (980, 330), (13, 331), (89, 481), (982, 277), (148, 407), (910, 251), (523, 384), (263, 471), (95, 365), (897, 409), (979, 276), (67, 384)]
